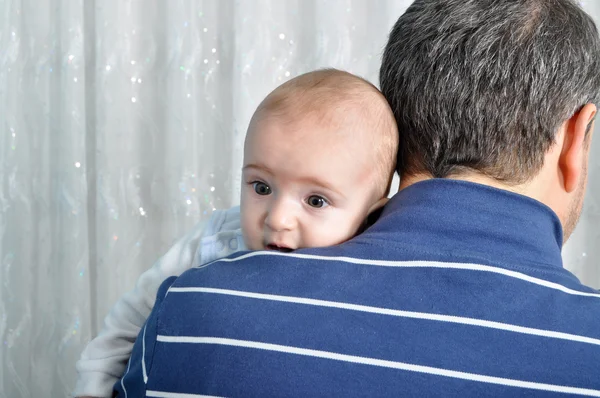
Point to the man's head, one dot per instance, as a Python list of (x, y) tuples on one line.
[(496, 91), (319, 156)]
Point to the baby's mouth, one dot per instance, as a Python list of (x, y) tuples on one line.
[(282, 249)]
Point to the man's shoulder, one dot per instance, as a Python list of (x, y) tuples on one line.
[(240, 268)]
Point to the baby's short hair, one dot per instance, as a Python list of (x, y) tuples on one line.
[(331, 95)]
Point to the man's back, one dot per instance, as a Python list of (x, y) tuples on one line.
[(457, 290)]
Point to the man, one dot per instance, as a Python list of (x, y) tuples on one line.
[(458, 289)]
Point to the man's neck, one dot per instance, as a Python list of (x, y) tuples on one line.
[(468, 216), (408, 180)]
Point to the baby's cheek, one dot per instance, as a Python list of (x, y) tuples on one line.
[(335, 232), (350, 226), (249, 230)]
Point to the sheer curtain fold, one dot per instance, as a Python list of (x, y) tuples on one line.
[(122, 125)]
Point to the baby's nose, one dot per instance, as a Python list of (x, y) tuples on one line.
[(281, 217)]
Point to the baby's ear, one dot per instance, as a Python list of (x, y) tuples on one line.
[(378, 205), (375, 212)]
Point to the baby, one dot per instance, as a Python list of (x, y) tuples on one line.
[(319, 157)]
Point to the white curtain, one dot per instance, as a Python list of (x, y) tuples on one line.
[(121, 126)]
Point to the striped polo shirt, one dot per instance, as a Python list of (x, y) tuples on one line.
[(458, 290)]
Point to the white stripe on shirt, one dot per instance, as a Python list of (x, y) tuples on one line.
[(164, 394), (380, 362), (144, 374), (393, 312), (418, 264), (122, 378)]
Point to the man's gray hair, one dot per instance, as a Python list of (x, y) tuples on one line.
[(483, 85)]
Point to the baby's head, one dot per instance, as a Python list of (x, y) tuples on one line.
[(319, 156)]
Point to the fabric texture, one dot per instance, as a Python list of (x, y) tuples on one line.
[(457, 290)]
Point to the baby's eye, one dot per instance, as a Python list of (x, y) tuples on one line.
[(317, 201), (261, 188)]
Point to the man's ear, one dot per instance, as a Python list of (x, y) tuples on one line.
[(573, 149)]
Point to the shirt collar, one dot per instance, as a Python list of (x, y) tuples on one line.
[(464, 217)]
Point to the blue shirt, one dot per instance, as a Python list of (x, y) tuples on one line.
[(457, 290)]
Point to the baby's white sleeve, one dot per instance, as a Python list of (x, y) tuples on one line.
[(104, 359)]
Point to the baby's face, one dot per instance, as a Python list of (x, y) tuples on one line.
[(306, 183)]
